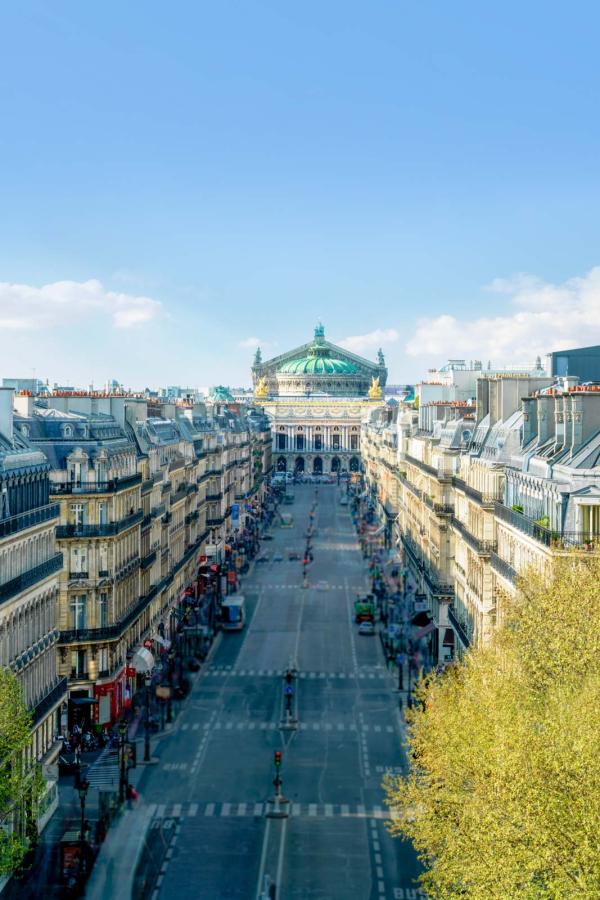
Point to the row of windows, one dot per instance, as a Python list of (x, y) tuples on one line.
[(317, 442), (22, 556)]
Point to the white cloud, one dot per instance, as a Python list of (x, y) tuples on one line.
[(23, 306), (538, 317), (360, 343)]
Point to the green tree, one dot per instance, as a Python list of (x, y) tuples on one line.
[(20, 783), (503, 796)]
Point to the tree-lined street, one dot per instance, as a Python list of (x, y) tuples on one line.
[(208, 834)]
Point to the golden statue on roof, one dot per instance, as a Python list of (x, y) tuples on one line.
[(375, 391), (261, 389)]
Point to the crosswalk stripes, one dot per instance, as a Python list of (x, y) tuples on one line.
[(104, 772), (241, 810), (226, 671)]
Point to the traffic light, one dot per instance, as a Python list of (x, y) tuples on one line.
[(277, 759)]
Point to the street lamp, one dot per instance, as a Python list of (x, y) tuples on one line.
[(170, 658), (123, 761), (82, 790), (147, 730)]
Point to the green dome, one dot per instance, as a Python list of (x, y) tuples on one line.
[(318, 364), (318, 360)]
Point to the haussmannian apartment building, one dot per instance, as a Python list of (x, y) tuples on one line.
[(474, 493), (107, 505)]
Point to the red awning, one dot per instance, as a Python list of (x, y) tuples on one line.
[(448, 638), (423, 631)]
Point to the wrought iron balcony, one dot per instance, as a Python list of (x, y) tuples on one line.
[(436, 585), (180, 494), (79, 576), (52, 698), (27, 579), (105, 530), (474, 494), (14, 524), (458, 627), (483, 548), (148, 559), (441, 509), (95, 487), (502, 567)]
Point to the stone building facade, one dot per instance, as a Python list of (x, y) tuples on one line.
[(30, 565), (315, 397)]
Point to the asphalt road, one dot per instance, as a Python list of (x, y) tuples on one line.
[(209, 835)]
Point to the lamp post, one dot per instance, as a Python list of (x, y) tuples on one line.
[(147, 722), (82, 789), (170, 658), (123, 761)]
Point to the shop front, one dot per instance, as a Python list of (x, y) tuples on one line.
[(114, 696)]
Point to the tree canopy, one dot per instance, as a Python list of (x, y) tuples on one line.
[(503, 794), (19, 784)]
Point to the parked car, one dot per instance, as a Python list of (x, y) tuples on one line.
[(262, 558), (293, 554), (277, 557), (366, 628)]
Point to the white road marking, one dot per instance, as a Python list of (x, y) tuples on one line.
[(160, 810), (226, 809), (210, 809), (345, 810), (241, 809), (193, 810), (328, 809), (258, 809), (176, 809), (185, 726), (195, 726), (312, 809)]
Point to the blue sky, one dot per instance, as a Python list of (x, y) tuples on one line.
[(178, 180)]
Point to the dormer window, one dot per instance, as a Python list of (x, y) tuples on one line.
[(67, 431), (25, 430)]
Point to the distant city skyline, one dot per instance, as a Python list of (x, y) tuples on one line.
[(177, 189)]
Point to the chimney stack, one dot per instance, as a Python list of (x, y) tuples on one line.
[(6, 412)]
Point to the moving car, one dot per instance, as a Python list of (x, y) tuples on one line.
[(366, 628), (277, 557)]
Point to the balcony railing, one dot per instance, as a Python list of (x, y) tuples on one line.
[(148, 559), (412, 488), (484, 499), (179, 494), (95, 487), (425, 467), (79, 576), (434, 580), (459, 629), (106, 530), (484, 548), (158, 511), (440, 509), (27, 579), (28, 519), (52, 698), (108, 632), (502, 567)]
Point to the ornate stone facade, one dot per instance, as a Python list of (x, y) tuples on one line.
[(316, 396)]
